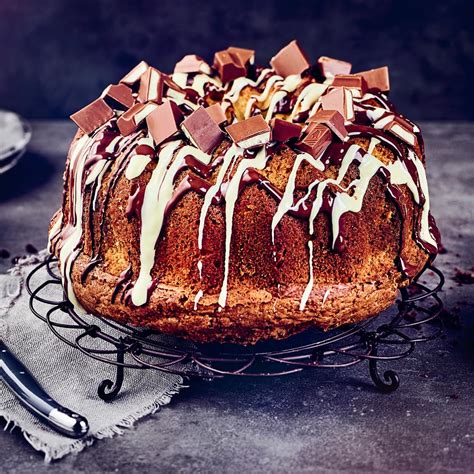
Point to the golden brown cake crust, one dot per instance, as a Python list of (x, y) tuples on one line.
[(266, 279)]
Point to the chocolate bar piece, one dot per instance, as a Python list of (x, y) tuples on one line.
[(217, 113), (244, 56), (228, 66), (283, 131), (250, 133), (131, 119), (318, 137), (402, 129), (118, 96), (163, 121), (192, 64), (290, 60), (330, 67), (333, 120), (356, 83), (376, 78), (92, 116), (134, 75), (151, 86), (202, 130), (339, 99)]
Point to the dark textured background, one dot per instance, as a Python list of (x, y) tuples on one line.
[(57, 55)]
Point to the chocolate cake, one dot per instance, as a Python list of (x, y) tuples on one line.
[(236, 203)]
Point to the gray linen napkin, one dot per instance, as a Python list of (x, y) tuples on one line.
[(68, 375)]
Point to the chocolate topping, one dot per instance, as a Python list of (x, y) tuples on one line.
[(202, 130), (333, 120), (283, 131), (376, 78), (228, 66), (163, 121), (339, 99), (92, 116), (250, 133), (192, 64), (118, 96), (151, 86), (290, 60), (135, 74), (318, 138), (330, 67), (130, 120), (217, 114)]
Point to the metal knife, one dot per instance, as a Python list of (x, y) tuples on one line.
[(32, 396)]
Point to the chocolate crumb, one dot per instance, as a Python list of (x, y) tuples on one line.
[(463, 277), (4, 253), (30, 248)]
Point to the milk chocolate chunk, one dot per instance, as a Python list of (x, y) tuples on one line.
[(163, 121), (217, 113), (228, 67), (151, 86), (283, 131), (118, 96), (402, 129), (131, 119), (330, 67), (318, 137), (134, 75), (356, 83), (376, 78), (241, 55), (92, 116), (250, 133), (333, 120), (202, 130), (339, 99), (192, 64), (290, 60)]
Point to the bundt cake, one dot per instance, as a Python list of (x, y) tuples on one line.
[(237, 203)]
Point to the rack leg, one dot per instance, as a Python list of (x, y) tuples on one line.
[(107, 389), (390, 381)]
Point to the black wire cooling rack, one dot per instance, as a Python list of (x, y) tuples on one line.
[(387, 337)]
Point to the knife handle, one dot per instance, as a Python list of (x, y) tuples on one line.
[(31, 394)]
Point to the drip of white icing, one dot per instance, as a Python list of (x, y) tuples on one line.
[(232, 193), (242, 82), (98, 185), (136, 166), (180, 98), (372, 144), (198, 296), (200, 269), (287, 200), (70, 243), (54, 232), (229, 158), (309, 286), (326, 294), (425, 233), (157, 195), (308, 97), (277, 96)]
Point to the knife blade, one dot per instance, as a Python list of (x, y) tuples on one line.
[(30, 393)]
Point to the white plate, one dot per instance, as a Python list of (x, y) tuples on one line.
[(15, 134)]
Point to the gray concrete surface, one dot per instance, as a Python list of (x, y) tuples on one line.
[(326, 421)]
